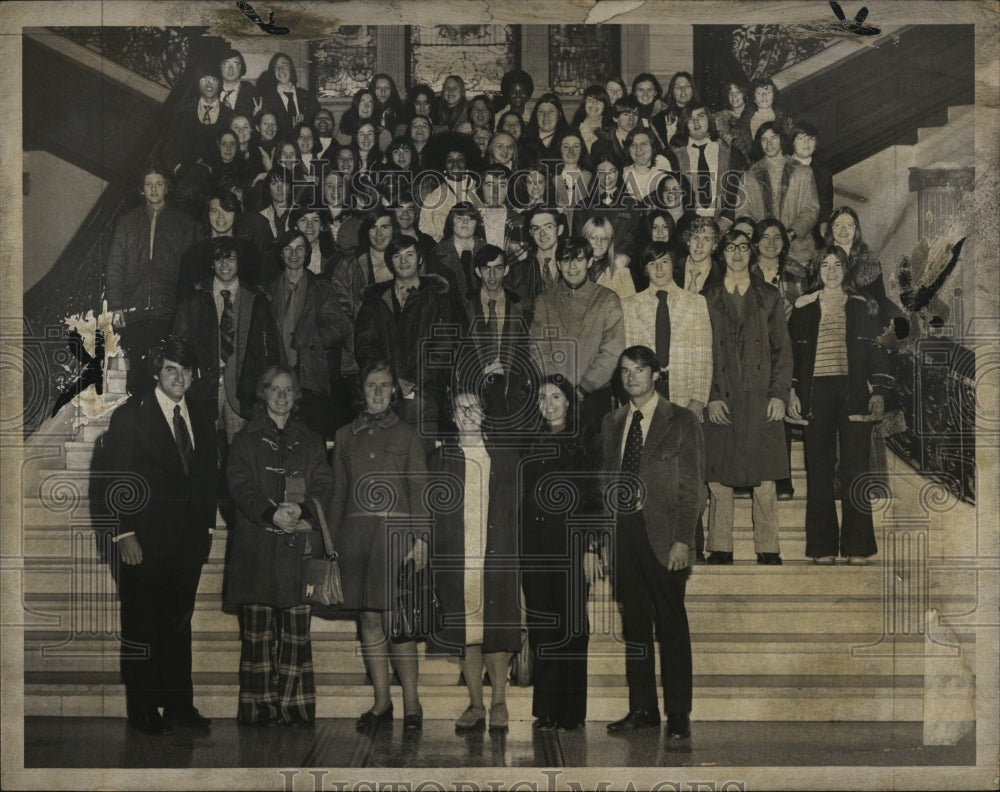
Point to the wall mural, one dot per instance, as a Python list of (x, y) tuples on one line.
[(486, 52)]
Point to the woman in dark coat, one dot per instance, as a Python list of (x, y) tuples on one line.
[(840, 370), (751, 375), (378, 467), (474, 560), (864, 270), (557, 567), (280, 483)]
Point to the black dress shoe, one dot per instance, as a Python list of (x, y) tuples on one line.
[(369, 720), (544, 724), (413, 722), (769, 559), (151, 723), (678, 725), (190, 717), (785, 490), (636, 719), (718, 557)]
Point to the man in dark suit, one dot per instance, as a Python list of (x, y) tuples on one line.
[(229, 319), (169, 446), (237, 94), (192, 131), (493, 361), (714, 168), (658, 449)]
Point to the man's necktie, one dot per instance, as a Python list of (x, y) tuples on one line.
[(207, 117), (547, 272), (290, 107), (182, 437), (694, 286), (491, 327), (227, 327), (663, 343), (704, 177), (633, 453), (225, 98)]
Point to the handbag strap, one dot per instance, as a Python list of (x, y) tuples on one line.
[(323, 528)]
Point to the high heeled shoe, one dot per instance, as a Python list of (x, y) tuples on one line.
[(370, 720)]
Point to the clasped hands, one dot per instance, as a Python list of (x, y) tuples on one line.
[(287, 518)]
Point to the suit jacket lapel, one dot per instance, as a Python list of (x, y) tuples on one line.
[(161, 432), (658, 426), (243, 323)]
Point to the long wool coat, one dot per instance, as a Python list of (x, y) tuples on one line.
[(501, 587), (262, 567), (751, 363)]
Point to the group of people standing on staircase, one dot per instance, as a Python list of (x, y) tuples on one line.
[(623, 314)]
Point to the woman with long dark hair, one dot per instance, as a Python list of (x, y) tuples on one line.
[(572, 177), (545, 128), (681, 92), (366, 144), (593, 114), (420, 101), (388, 102), (280, 484), (864, 270), (481, 114), (727, 118), (647, 91), (557, 567), (362, 109), (280, 93), (840, 372)]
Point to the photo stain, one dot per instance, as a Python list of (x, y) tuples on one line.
[(92, 371)]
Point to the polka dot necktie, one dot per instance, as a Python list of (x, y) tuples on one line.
[(633, 444)]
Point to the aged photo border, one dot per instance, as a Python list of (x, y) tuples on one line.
[(224, 17)]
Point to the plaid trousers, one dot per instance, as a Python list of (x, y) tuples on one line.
[(276, 669)]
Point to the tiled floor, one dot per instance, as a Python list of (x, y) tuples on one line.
[(111, 743)]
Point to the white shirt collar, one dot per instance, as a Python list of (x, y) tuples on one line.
[(233, 288), (167, 405)]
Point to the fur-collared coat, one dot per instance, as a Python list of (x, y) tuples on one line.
[(798, 202), (386, 331)]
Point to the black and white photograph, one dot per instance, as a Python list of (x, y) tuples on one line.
[(589, 394)]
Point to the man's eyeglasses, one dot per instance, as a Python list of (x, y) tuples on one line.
[(743, 247)]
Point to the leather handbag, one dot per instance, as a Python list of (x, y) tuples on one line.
[(416, 607), (321, 575)]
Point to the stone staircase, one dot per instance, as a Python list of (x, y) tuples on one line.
[(796, 642)]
